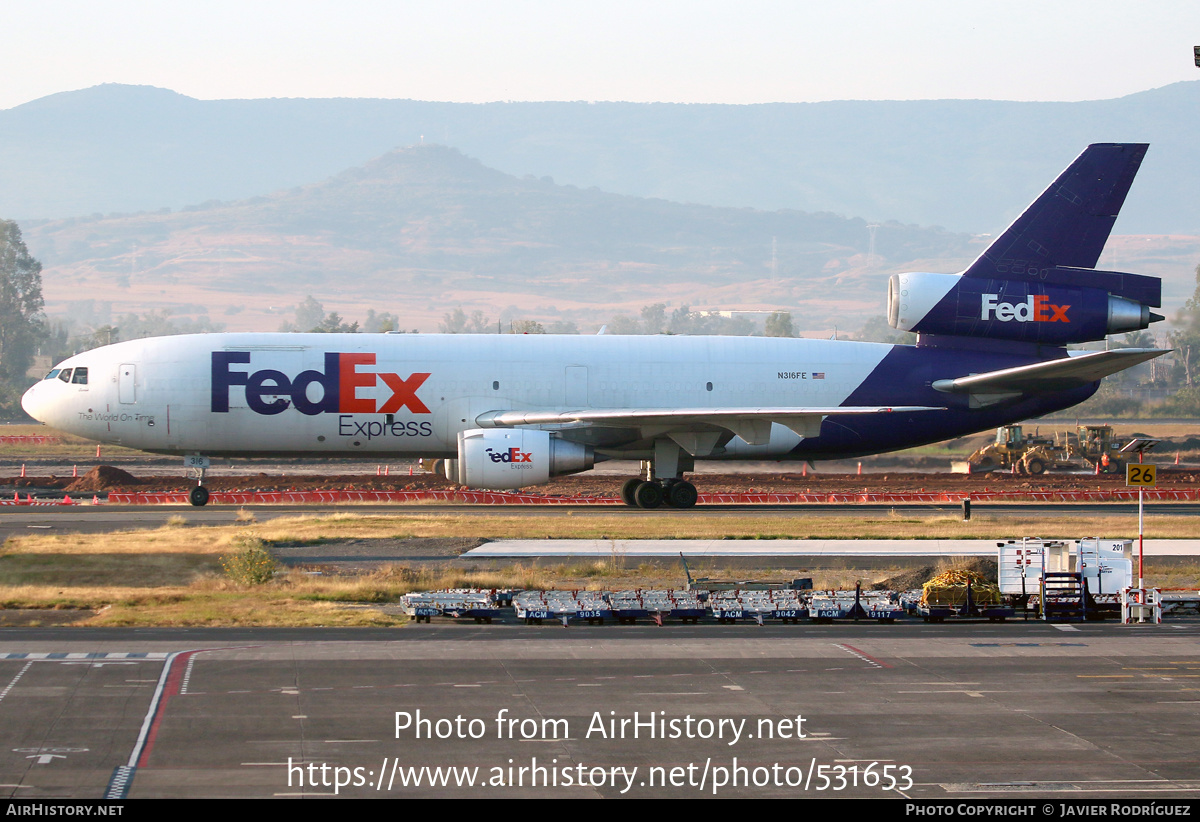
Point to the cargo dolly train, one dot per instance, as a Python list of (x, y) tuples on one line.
[(1051, 580)]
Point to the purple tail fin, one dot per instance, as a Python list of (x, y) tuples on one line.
[(1037, 282), (1069, 223)]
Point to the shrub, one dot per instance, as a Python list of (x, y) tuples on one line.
[(251, 564)]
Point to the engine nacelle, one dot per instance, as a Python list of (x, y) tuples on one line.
[(507, 458), (1057, 310)]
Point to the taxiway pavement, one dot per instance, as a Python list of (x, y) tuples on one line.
[(972, 710)]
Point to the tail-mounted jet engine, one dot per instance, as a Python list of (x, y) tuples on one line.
[(1054, 308), (513, 458)]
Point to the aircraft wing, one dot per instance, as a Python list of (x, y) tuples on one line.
[(1044, 377), (751, 424)]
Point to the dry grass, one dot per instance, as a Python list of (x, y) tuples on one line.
[(697, 525), (171, 575)]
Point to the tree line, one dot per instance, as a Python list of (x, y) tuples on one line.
[(25, 331)]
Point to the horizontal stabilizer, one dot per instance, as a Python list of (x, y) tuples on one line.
[(751, 424), (1051, 375)]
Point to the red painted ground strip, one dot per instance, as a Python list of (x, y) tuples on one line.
[(502, 498), (178, 666), (864, 655)]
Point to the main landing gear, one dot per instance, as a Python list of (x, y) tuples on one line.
[(662, 480), (198, 496), (637, 492), (676, 493)]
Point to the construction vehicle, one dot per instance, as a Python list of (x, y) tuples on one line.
[(1084, 448), (1092, 443)]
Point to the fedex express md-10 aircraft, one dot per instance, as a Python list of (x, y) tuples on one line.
[(510, 411)]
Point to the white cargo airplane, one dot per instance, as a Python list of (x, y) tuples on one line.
[(512, 411)]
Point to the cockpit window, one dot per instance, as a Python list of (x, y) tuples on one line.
[(80, 377), (52, 374), (65, 375)]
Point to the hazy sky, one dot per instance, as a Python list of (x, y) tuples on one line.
[(673, 50)]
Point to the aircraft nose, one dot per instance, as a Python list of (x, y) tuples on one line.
[(32, 404)]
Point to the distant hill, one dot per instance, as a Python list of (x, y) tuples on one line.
[(969, 165), (422, 230)]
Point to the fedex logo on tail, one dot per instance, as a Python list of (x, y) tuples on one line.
[(1037, 309), (269, 391)]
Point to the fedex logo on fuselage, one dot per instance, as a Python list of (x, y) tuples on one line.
[(338, 386), (1036, 309)]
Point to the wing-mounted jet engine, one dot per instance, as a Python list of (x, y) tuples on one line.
[(513, 458)]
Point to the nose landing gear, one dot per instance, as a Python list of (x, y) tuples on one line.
[(197, 464)]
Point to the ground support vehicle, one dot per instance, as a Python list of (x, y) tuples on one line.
[(535, 606), (656, 604), (1141, 605), (962, 594), (781, 604), (627, 607), (826, 606), (479, 605), (1180, 602), (1066, 579)]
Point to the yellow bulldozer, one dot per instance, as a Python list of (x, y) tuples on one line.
[(1084, 448)]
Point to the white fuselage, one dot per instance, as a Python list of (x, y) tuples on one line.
[(411, 394)]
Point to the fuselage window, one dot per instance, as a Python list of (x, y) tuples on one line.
[(80, 377), (65, 375), (52, 374)]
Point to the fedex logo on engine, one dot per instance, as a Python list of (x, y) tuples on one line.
[(1036, 309), (511, 455), (269, 391)]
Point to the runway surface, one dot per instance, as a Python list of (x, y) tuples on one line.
[(700, 548), (105, 518), (972, 710), (1014, 711)]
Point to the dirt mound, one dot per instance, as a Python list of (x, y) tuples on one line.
[(103, 478), (917, 577), (906, 581)]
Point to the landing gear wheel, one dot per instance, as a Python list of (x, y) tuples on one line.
[(681, 494), (628, 488), (648, 495), (198, 496)]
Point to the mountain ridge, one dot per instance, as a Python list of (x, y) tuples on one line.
[(969, 164), (446, 230)]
